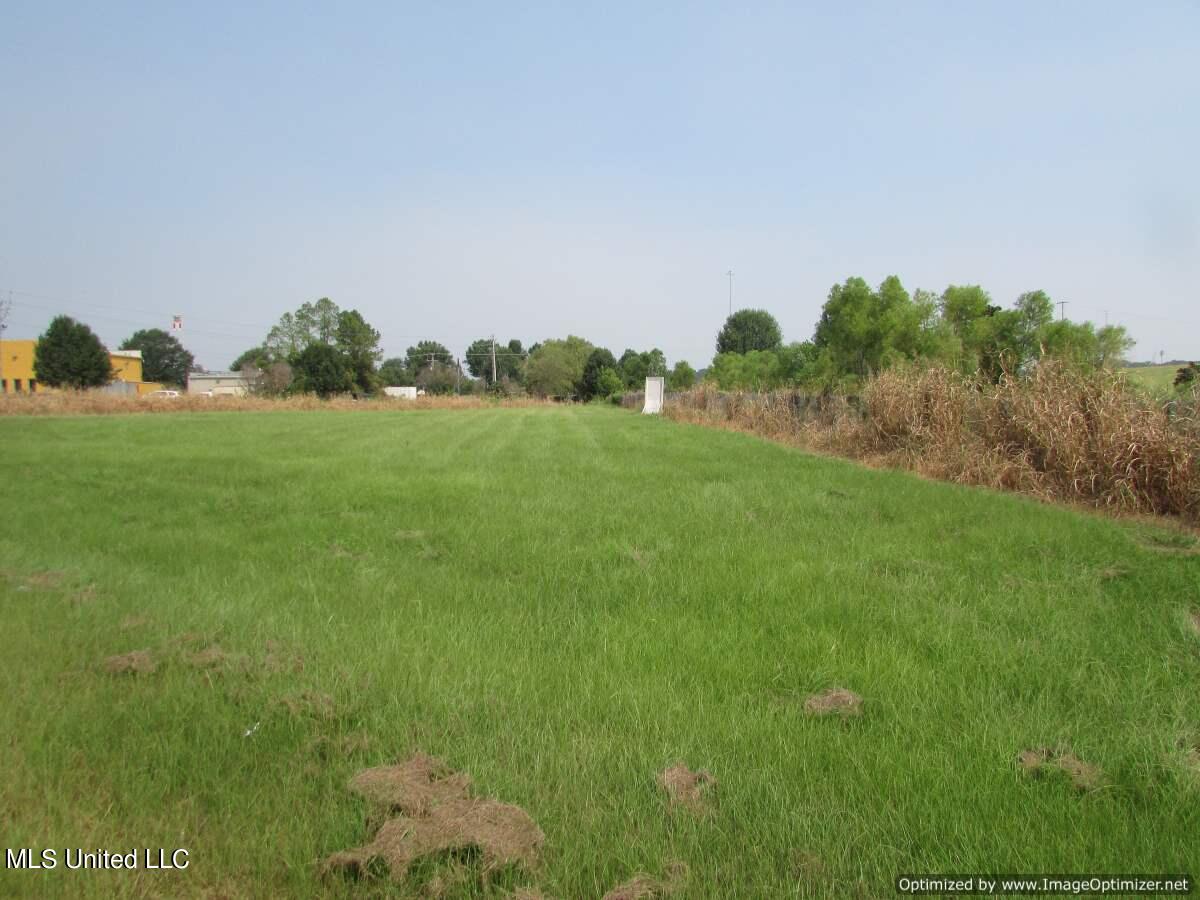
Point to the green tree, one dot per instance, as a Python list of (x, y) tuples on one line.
[(749, 329), (259, 357), (311, 323), (439, 378), (633, 368), (358, 342), (556, 367), (608, 383), (394, 372), (164, 359), (682, 377), (589, 382), (757, 370), (320, 320), (322, 370), (1113, 343), (1185, 377), (509, 358), (70, 355), (424, 354)]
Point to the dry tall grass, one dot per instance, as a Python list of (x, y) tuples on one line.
[(1059, 434), (70, 403)]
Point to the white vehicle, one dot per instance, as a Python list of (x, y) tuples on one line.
[(164, 395)]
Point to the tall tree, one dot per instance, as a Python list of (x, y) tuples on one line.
[(555, 368), (70, 355), (682, 377), (259, 357), (632, 368), (589, 382), (312, 323), (424, 354), (394, 372), (509, 357), (164, 359), (320, 320), (320, 369), (358, 342), (749, 329)]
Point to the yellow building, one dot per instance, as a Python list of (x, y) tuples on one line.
[(17, 376)]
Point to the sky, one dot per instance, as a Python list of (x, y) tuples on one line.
[(457, 170)]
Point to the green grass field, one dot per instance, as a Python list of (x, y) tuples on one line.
[(563, 602), (1159, 379)]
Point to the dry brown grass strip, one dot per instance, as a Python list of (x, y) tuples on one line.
[(1059, 434), (84, 403)]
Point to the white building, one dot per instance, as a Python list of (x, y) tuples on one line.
[(217, 384)]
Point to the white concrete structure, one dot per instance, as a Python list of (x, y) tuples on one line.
[(217, 384), (404, 393), (655, 386)]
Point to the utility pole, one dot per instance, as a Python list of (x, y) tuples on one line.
[(1062, 312), (457, 375), (493, 359), (5, 309), (730, 275)]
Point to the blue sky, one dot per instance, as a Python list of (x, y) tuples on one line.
[(454, 170)]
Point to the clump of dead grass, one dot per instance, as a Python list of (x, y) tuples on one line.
[(135, 662), (437, 815), (834, 702), (645, 887), (687, 789), (309, 704), (1058, 433), (34, 581), (1084, 776)]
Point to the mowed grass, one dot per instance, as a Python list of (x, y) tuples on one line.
[(563, 602)]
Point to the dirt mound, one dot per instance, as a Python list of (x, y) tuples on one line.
[(687, 788), (438, 817), (136, 662), (644, 887), (835, 701), (414, 786), (1085, 776)]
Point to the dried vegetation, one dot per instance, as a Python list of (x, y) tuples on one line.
[(1059, 434), (90, 403)]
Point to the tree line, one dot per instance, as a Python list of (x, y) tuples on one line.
[(863, 330), (320, 348)]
